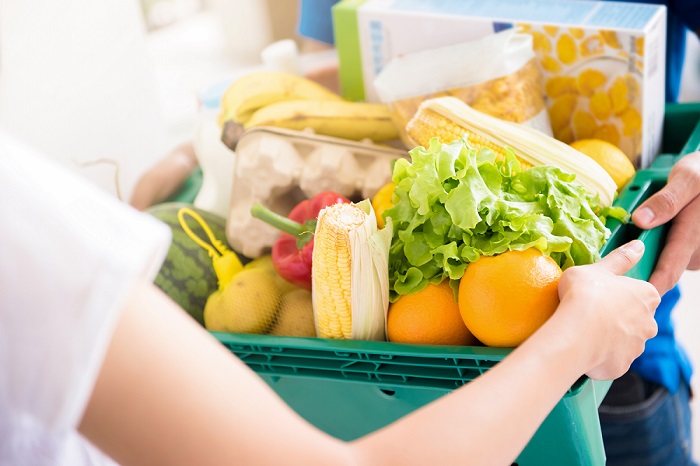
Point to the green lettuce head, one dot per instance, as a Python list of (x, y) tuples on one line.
[(453, 204)]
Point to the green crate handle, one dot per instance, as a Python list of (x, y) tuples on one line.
[(681, 131)]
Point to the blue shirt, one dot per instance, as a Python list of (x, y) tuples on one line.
[(664, 361), (315, 20)]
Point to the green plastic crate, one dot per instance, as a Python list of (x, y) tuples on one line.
[(351, 388)]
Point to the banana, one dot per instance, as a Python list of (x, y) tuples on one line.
[(343, 119), (256, 90)]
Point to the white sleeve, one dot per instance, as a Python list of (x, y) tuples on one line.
[(70, 252)]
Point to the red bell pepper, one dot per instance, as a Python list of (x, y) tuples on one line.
[(291, 253)]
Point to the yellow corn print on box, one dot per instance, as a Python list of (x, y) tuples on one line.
[(596, 86), (603, 63)]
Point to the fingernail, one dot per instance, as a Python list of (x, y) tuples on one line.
[(644, 215), (635, 247)]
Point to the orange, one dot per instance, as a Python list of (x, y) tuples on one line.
[(504, 299), (608, 156), (430, 316)]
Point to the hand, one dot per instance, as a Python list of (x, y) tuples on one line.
[(678, 201), (165, 177), (612, 315)]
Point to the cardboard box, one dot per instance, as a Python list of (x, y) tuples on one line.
[(603, 63)]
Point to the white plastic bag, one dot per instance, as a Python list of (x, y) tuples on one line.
[(496, 74)]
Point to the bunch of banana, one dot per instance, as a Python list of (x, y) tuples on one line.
[(272, 98)]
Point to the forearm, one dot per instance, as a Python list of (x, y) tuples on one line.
[(168, 393), (164, 178), (490, 420)]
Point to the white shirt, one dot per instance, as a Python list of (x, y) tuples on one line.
[(68, 254)]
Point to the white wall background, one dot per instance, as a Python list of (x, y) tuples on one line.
[(76, 82)]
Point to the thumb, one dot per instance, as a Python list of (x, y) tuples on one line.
[(621, 260)]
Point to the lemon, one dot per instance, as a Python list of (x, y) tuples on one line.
[(382, 201), (608, 156)]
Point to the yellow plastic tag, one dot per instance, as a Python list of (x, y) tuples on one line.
[(226, 263)]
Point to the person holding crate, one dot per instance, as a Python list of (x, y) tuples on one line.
[(96, 355), (97, 363), (651, 402)]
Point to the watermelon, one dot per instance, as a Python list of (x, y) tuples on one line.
[(187, 274)]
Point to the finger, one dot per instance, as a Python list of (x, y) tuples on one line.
[(681, 248), (682, 187), (648, 295), (694, 263), (673, 260), (621, 260)]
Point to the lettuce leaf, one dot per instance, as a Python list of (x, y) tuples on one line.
[(453, 204)]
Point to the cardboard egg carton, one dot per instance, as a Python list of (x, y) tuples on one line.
[(280, 168)]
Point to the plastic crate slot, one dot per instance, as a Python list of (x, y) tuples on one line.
[(291, 362), (352, 375), (371, 366), (436, 372), (433, 361), (359, 366), (345, 367), (483, 365), (276, 371), (237, 348), (356, 376), (470, 373), (444, 368), (445, 372), (429, 363), (424, 376), (387, 378), (299, 353), (397, 380), (468, 360)]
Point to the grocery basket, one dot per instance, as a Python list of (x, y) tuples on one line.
[(351, 388)]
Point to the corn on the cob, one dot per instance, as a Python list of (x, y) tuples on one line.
[(350, 289), (427, 124), (332, 259), (449, 119)]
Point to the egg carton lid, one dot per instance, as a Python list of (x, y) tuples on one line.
[(308, 136)]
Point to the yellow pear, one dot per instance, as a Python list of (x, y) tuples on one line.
[(248, 304), (296, 315)]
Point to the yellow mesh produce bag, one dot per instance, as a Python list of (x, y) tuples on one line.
[(251, 298)]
